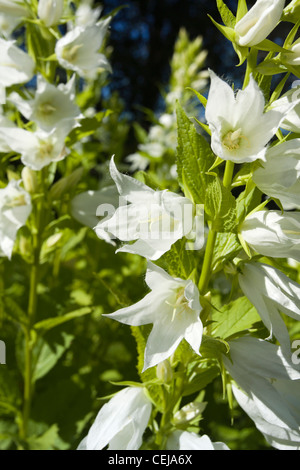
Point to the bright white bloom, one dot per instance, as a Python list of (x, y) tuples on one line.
[(78, 50), (120, 423), (84, 208), (52, 107), (289, 103), (271, 389), (173, 307), (38, 149), (86, 16), (155, 219), (15, 65), (184, 440), (50, 11), (240, 130), (15, 207), (279, 176), (271, 292), (272, 233), (259, 22)]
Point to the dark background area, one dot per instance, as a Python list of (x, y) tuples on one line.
[(143, 35)]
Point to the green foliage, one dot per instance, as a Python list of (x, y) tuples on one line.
[(194, 159)]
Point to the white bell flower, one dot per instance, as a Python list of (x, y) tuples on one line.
[(271, 292), (50, 11), (120, 423), (259, 22), (240, 130), (38, 149), (154, 220), (15, 208), (16, 66), (289, 103), (272, 233), (279, 176), (52, 107), (184, 440), (173, 308), (268, 389), (78, 50)]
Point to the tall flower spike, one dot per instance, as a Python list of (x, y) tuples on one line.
[(154, 220), (270, 389), (273, 234), (240, 130), (173, 307), (271, 292), (120, 423)]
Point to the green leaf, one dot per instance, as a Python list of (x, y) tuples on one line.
[(235, 317), (200, 97), (50, 323), (200, 376), (194, 158), (242, 10), (241, 51), (213, 347), (270, 67), (49, 440), (220, 206), (267, 45), (229, 33), (179, 261), (45, 352), (226, 248), (226, 15)]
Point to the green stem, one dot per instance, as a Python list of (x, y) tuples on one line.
[(227, 179), (251, 64), (207, 263), (31, 312)]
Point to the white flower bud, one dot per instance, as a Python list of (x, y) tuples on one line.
[(50, 11), (189, 412), (164, 372), (29, 178), (259, 22)]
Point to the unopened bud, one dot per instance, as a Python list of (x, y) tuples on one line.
[(189, 412), (164, 372), (50, 11), (29, 178)]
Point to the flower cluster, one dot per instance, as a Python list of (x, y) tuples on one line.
[(213, 226), (244, 129)]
